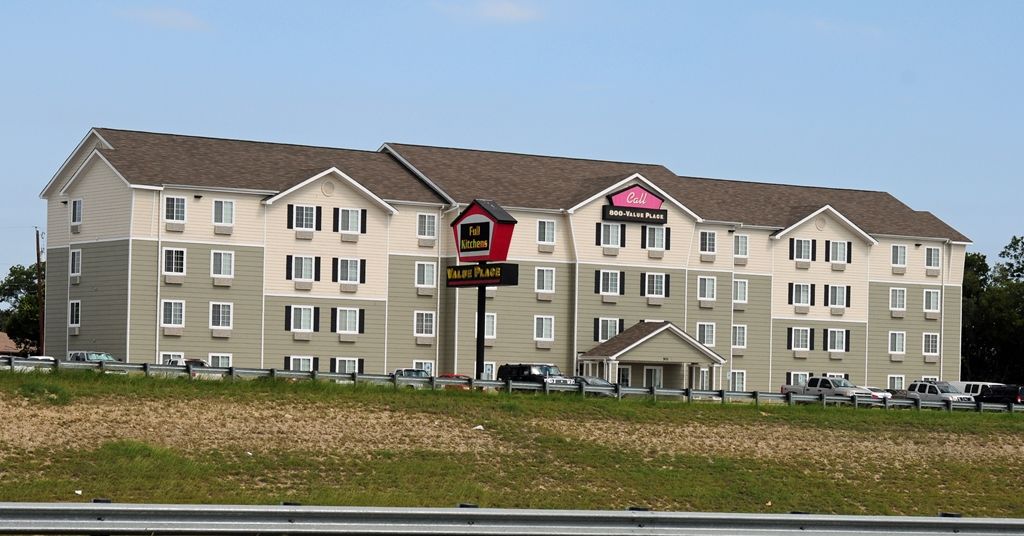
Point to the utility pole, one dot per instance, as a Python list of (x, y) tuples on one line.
[(39, 297)]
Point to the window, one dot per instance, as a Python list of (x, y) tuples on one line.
[(301, 363), (655, 285), (425, 274), (304, 217), (348, 320), (490, 326), (173, 313), (426, 225), (346, 365), (898, 299), (653, 377), (607, 328), (302, 318), (706, 288), (929, 378), (801, 294), (75, 264), (835, 375), (610, 235), (74, 313), (706, 333), (623, 375), (349, 221), (798, 378), (931, 301), (703, 379), (174, 261), (837, 251), (738, 380), (220, 315), (167, 358), (76, 211), (801, 339), (899, 255), (174, 209), (545, 231), (895, 381), (544, 280), (222, 264), (739, 336), (543, 328), (739, 290), (423, 323), (802, 249), (223, 212), (655, 237), (219, 360), (836, 340), (837, 295), (348, 271), (424, 365), (930, 345), (931, 258), (707, 242), (490, 367), (740, 245), (609, 282), (302, 268), (897, 342)]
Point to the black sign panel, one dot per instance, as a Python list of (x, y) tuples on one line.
[(475, 236), (482, 275), (640, 215)]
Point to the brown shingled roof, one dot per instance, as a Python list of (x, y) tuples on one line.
[(165, 159), (627, 338)]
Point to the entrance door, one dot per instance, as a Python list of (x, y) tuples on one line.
[(653, 376), (623, 375)]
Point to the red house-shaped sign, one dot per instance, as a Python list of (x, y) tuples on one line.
[(483, 232)]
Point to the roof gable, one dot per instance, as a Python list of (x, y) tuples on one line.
[(75, 161), (616, 188), (335, 172), (868, 239), (633, 337)]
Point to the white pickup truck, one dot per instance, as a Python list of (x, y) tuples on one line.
[(828, 386)]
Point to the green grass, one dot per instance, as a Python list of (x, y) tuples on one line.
[(543, 470)]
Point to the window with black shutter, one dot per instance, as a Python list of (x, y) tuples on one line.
[(291, 216)]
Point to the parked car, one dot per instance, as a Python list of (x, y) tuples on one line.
[(828, 387), (878, 392), (533, 372), (92, 356), (411, 373), (1002, 394), (936, 392), (592, 381), (971, 387), (197, 366)]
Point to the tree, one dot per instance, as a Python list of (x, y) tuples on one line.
[(993, 316), (18, 296), (1013, 268)]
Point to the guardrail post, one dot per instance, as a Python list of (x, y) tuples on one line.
[(10, 363), (547, 388), (470, 381), (618, 393), (394, 380), (885, 402), (355, 377), (980, 406), (102, 365), (433, 383), (824, 399), (757, 399), (314, 375), (654, 393), (722, 394), (145, 369), (273, 374), (508, 385), (1009, 407), (789, 398), (231, 373), (689, 394), (949, 405), (917, 404), (188, 370), (583, 389), (853, 398)]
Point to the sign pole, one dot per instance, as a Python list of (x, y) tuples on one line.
[(481, 328)]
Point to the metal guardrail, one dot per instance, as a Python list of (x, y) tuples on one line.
[(163, 519), (690, 395)]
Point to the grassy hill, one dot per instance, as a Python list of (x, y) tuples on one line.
[(73, 436)]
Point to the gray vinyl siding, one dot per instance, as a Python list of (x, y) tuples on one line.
[(631, 306), (104, 296), (55, 330), (446, 358), (403, 302), (756, 315), (515, 307), (818, 361), (950, 340), (880, 320), (279, 343), (198, 291), (720, 314), (144, 279)]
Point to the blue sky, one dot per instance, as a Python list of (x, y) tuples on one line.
[(921, 99)]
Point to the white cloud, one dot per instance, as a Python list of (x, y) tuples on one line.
[(505, 11), (170, 18)]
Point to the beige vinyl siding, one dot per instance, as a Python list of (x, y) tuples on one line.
[(146, 213), (372, 246), (881, 262), (104, 296), (515, 307), (915, 325), (146, 268), (324, 344), (74, 162), (58, 216), (723, 258), (198, 291), (403, 301), (954, 263), (949, 342), (404, 241), (631, 306), (760, 250), (524, 239), (818, 360), (56, 325), (106, 203), (148, 217), (756, 315), (666, 348)]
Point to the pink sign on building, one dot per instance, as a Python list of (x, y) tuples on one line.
[(635, 203), (637, 197)]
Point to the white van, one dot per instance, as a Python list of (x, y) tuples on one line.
[(972, 388)]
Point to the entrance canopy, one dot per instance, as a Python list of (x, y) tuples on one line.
[(660, 342)]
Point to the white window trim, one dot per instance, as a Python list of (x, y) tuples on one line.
[(810, 245), (486, 336), (890, 377), (296, 271), (888, 342), (359, 275), (828, 340), (433, 323), (165, 325), (618, 235), (905, 254), (211, 355), (418, 216), (924, 343), (733, 335), (655, 229), (746, 290), (295, 358), (359, 221), (733, 387), (165, 357), (938, 257), (81, 216), (431, 369), (713, 235), (929, 378), (339, 360), (213, 217), (938, 301), (222, 252), (553, 230), (71, 264), (184, 261), (831, 255), (231, 315), (184, 209), (338, 326), (647, 284), (70, 307), (828, 298), (746, 238), (416, 274), (795, 294), (301, 330), (600, 327), (618, 283), (552, 318), (904, 290), (536, 279), (714, 287), (713, 333), (295, 218), (794, 374), (806, 348), (659, 374), (494, 369)]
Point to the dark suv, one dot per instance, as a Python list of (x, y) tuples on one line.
[(1001, 394), (533, 372)]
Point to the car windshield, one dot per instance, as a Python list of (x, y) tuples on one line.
[(550, 370), (946, 388), (418, 373), (598, 382), (99, 356), (840, 382)]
